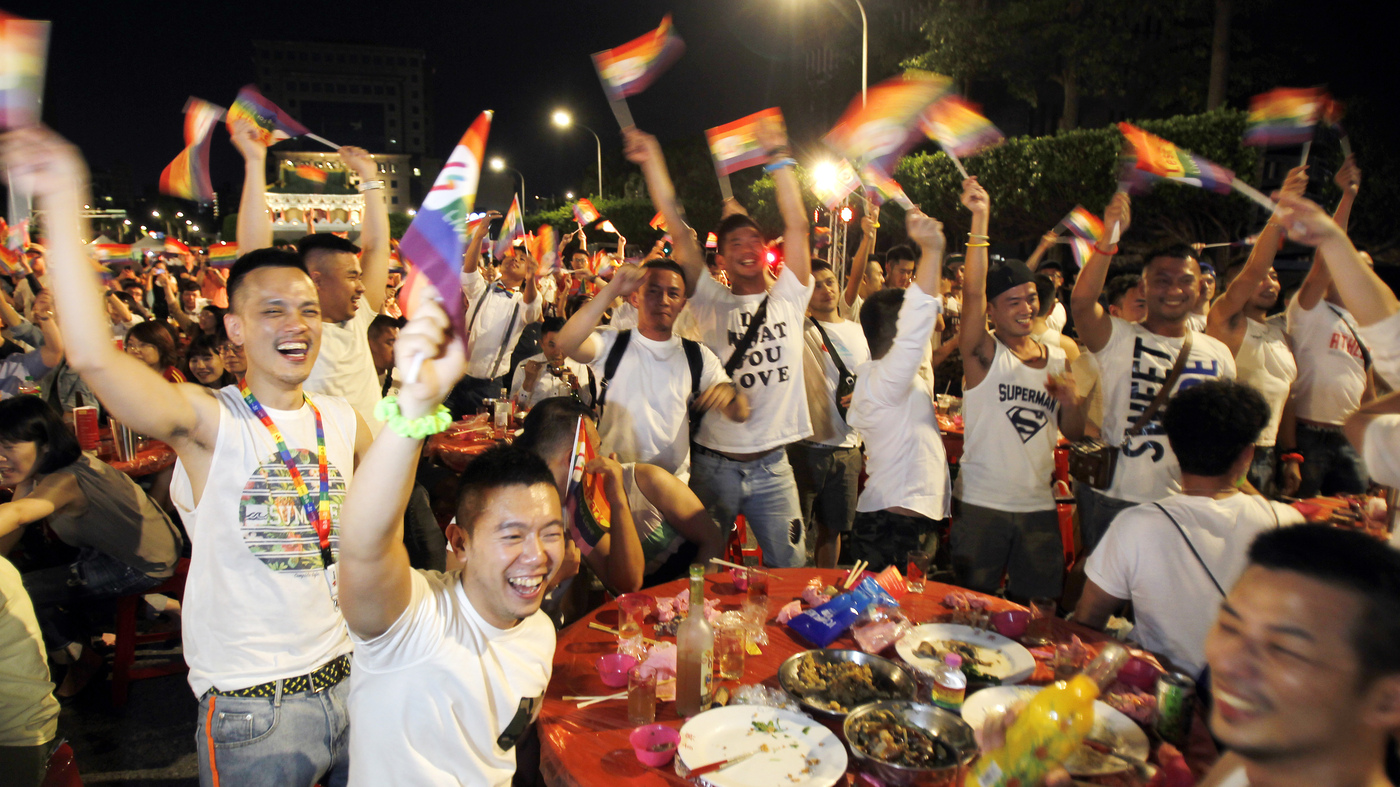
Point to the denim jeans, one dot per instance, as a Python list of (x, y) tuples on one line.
[(885, 538), (467, 396), (287, 740), (1263, 472), (1330, 464), (764, 491), (65, 596)]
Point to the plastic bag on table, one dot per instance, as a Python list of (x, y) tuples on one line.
[(822, 625), (879, 627)]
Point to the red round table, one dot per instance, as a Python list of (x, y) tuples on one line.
[(589, 746), (155, 457), (461, 443)]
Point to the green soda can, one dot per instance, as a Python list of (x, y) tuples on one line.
[(1174, 693)]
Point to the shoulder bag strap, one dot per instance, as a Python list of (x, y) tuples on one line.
[(1365, 351), (1192, 547), (826, 344), (505, 338), (1164, 393), (610, 367), (696, 362), (736, 359)]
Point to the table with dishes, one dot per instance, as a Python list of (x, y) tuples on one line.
[(592, 743), (151, 456), (462, 442)]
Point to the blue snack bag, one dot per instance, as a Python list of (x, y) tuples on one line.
[(822, 625)]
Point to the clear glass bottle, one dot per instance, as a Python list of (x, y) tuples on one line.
[(695, 651), (502, 414)]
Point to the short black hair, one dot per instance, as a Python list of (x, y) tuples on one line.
[(1208, 424), (900, 253), (1175, 251), (497, 467), (950, 265), (259, 258), (382, 323), (1050, 265), (1045, 292), (665, 264), (551, 424), (187, 285), (731, 223), (821, 265), (1118, 287), (29, 419), (1355, 562), (878, 320), (551, 325), (324, 241)]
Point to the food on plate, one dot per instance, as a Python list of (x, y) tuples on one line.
[(838, 685), (958, 600), (1132, 702), (884, 736), (985, 665)]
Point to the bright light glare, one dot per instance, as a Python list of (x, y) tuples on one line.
[(772, 257), (824, 176), (497, 163), (561, 118), (846, 214), (568, 195)]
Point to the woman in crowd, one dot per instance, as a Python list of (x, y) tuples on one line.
[(152, 343), (125, 543), (211, 321), (203, 362)]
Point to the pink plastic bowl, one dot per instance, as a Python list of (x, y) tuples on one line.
[(1139, 673), (1012, 623), (643, 739), (613, 669)]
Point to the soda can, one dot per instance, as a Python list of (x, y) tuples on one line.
[(85, 425), (1174, 706)]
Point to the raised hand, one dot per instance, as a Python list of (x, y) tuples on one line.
[(925, 231), (975, 198), (360, 162), (732, 207), (1306, 221), (1296, 182), (1049, 239), (1348, 178), (1119, 212), (428, 335), (42, 162), (628, 278), (771, 134), (870, 221), (247, 137), (1061, 386), (639, 147)]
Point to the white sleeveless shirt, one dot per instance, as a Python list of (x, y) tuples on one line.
[(257, 605), (1010, 425)]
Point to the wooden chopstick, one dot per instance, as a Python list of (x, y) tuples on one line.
[(856, 570), (595, 625), (719, 562)]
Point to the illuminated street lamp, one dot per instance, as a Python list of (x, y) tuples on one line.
[(498, 164), (563, 119)]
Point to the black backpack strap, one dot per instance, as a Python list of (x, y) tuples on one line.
[(610, 367), (696, 363)]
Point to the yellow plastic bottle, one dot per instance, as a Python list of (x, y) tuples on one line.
[(1050, 728)]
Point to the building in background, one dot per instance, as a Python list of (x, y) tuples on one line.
[(316, 185)]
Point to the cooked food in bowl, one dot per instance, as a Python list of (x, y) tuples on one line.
[(884, 736), (838, 686), (982, 664)]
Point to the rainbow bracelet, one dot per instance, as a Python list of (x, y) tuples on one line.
[(413, 428)]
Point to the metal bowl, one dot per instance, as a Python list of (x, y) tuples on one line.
[(888, 676), (938, 723)]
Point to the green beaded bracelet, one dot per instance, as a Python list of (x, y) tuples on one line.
[(413, 428)]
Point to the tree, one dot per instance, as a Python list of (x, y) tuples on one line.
[(1219, 54)]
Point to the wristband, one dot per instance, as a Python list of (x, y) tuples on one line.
[(781, 151), (780, 164), (1295, 457), (978, 245), (413, 428), (370, 185), (1098, 250), (975, 236)]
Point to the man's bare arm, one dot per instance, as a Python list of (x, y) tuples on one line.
[(642, 149), (374, 230), (254, 221), (1092, 322), (869, 223), (976, 343), (797, 252)]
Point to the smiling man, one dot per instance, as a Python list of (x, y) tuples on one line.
[(1305, 662)]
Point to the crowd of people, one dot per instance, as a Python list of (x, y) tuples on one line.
[(335, 633)]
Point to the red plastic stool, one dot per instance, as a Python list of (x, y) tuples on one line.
[(123, 669), (63, 768), (736, 551)]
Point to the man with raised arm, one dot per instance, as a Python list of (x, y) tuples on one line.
[(742, 468), (451, 667), (892, 409), (263, 635), (1240, 319), (1135, 360), (1334, 369), (1016, 391)]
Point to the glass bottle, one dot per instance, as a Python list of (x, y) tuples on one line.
[(695, 650)]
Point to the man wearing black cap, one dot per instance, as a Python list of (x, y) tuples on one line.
[(1015, 392)]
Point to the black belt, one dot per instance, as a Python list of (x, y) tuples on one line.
[(318, 680)]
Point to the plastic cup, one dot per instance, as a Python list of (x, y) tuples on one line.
[(918, 570), (613, 669), (731, 635), (641, 699), (655, 744), (1039, 631)]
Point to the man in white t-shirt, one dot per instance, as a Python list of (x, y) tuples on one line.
[(1134, 360), (1174, 559), (827, 465), (742, 468), (1196, 321), (1016, 392), (646, 402), (550, 372), (450, 668), (28, 710)]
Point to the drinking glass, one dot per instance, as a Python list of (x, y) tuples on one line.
[(641, 697), (755, 607), (1039, 632), (731, 634), (918, 570)]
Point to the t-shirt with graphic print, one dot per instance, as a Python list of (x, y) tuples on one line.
[(1132, 367), (771, 375), (258, 605)]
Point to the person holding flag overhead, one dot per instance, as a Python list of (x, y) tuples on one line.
[(261, 477)]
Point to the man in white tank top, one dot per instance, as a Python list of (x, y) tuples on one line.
[(263, 634), (1016, 391)]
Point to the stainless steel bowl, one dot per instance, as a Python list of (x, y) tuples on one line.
[(888, 676), (938, 723)]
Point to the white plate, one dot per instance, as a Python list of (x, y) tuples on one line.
[(1110, 726), (1017, 666), (802, 744)]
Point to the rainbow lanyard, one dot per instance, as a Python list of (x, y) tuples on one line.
[(319, 513)]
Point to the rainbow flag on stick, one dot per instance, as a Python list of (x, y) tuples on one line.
[(24, 45), (223, 255), (311, 174), (883, 188), (1082, 249), (585, 213), (631, 68), (512, 229), (1284, 116), (658, 222), (187, 177), (173, 246), (276, 125), (1156, 156), (885, 127), (11, 262), (434, 242), (586, 508), (1083, 224), (545, 248), (959, 127), (113, 252)]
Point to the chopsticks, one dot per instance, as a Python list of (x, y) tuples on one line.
[(595, 625), (856, 571), (719, 562), (594, 699), (714, 766)]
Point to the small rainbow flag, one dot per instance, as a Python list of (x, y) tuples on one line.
[(276, 125), (173, 246), (833, 187), (545, 248), (24, 45), (959, 127), (474, 224), (1082, 249), (586, 507), (883, 188), (223, 255), (631, 68), (1284, 116), (712, 241), (885, 126), (11, 261), (585, 213), (1157, 156), (114, 252), (187, 177), (512, 229), (735, 145), (658, 222), (1083, 224), (312, 174)]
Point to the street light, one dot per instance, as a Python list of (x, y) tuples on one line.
[(569, 195), (498, 164), (563, 119), (155, 214)]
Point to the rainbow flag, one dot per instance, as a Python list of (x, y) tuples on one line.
[(885, 127), (735, 146), (585, 213), (545, 248), (833, 187), (658, 222), (434, 242), (959, 127), (114, 252), (1081, 249), (631, 68), (223, 255), (1284, 116), (1157, 156), (187, 177), (276, 125), (11, 261), (24, 45), (586, 508), (712, 241), (1083, 224), (173, 246), (16, 237), (311, 174), (883, 188), (512, 229)]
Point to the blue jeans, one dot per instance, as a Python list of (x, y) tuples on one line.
[(763, 490), (1330, 465), (287, 740), (65, 596)]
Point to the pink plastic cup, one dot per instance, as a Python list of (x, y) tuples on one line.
[(645, 741), (613, 669), (1012, 623)]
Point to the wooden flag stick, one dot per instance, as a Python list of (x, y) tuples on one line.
[(322, 140), (1254, 194), (725, 190), (957, 163), (1307, 148)]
